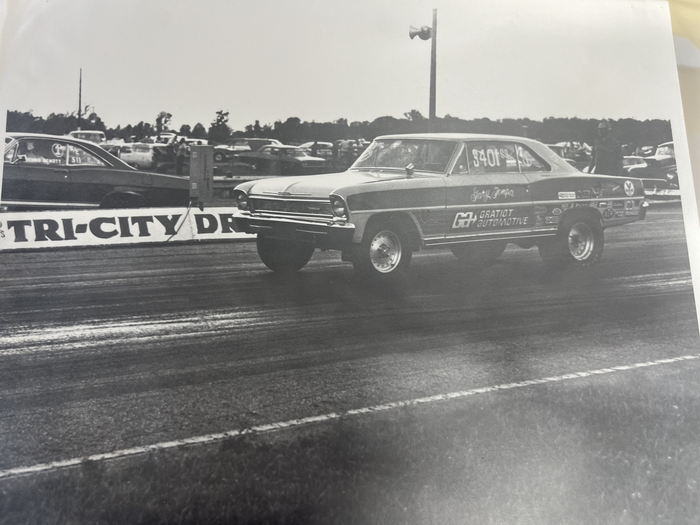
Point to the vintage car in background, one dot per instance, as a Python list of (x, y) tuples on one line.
[(98, 137), (631, 162), (471, 193), (660, 165), (228, 152), (49, 172), (278, 159), (323, 149), (658, 171), (560, 150)]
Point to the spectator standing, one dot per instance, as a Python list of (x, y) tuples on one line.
[(181, 156), (606, 157)]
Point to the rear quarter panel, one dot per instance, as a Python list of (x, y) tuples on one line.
[(616, 200)]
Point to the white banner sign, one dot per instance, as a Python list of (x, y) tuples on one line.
[(58, 229)]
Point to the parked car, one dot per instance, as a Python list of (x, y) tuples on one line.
[(323, 149), (98, 137), (147, 156), (282, 160), (631, 162), (470, 193), (661, 166), (50, 172), (227, 152), (559, 150)]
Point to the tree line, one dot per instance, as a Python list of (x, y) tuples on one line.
[(294, 130)]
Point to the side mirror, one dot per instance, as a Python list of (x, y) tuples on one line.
[(410, 168), (19, 159)]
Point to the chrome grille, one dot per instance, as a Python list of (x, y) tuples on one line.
[(317, 208)]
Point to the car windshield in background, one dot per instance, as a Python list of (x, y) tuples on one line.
[(425, 155)]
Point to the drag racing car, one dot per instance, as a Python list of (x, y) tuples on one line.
[(44, 172), (473, 194)]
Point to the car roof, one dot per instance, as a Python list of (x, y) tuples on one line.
[(91, 146), (17, 135), (459, 137)]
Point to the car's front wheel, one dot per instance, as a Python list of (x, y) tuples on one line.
[(283, 256), (384, 252), (580, 241)]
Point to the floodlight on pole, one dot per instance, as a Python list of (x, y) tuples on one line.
[(429, 33)]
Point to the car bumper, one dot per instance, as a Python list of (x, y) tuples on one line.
[(324, 234)]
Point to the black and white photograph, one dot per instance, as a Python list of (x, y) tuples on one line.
[(369, 262)]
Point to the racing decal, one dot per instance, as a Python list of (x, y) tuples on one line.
[(23, 230), (629, 188), (491, 219), (486, 194), (58, 149)]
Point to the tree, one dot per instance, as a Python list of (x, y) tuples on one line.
[(162, 121), (219, 131), (186, 130), (414, 115), (199, 131)]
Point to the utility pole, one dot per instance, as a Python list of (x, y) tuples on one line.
[(429, 33), (80, 99), (433, 45)]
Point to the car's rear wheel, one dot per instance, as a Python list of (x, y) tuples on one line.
[(283, 256), (479, 253), (218, 156), (580, 241), (384, 253)]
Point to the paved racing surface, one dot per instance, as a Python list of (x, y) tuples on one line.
[(104, 350)]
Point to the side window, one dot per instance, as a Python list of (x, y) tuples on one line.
[(78, 156), (462, 164), (10, 152), (41, 151), (491, 157), (529, 161)]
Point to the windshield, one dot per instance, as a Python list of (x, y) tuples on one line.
[(425, 155)]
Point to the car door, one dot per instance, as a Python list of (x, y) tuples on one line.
[(487, 196), (89, 177), (36, 175)]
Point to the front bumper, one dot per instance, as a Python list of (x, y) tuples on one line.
[(323, 234)]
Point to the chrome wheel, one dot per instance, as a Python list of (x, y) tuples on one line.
[(385, 251), (581, 241)]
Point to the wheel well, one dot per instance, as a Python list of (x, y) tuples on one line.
[(404, 220), (587, 212)]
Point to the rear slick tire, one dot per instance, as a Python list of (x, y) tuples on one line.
[(580, 242), (283, 256)]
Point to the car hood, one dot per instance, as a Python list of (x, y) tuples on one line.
[(321, 185)]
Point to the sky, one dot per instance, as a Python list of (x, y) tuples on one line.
[(326, 59)]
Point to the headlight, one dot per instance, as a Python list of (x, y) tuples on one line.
[(338, 207), (241, 200)]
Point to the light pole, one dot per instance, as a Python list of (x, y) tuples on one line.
[(80, 99), (429, 33)]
